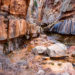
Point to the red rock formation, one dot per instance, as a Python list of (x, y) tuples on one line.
[(15, 7), (13, 23), (17, 27), (18, 7)]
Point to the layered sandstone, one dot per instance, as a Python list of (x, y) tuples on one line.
[(13, 24)]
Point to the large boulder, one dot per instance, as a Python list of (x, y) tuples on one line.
[(57, 50)]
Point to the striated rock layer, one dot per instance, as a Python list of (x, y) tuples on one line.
[(51, 11), (48, 11), (64, 27)]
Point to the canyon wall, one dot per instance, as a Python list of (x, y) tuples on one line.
[(13, 25), (22, 18), (48, 12)]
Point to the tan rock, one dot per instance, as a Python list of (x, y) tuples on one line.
[(1, 48), (12, 28), (18, 7), (5, 5), (59, 67), (23, 27), (15, 7), (17, 27), (3, 30)]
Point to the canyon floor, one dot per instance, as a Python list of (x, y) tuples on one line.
[(25, 62)]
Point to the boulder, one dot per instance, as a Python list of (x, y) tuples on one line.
[(39, 50), (41, 72), (57, 50)]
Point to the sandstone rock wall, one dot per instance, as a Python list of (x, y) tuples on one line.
[(15, 7), (13, 23)]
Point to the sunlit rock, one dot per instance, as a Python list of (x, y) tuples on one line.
[(59, 67), (57, 50), (17, 27), (39, 50), (41, 72)]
